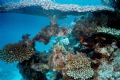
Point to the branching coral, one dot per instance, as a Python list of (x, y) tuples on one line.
[(16, 52), (75, 66), (79, 67)]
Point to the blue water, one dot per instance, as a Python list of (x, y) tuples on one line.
[(79, 2), (14, 25)]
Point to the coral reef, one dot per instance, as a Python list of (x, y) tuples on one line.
[(46, 33), (84, 27), (79, 67), (32, 69), (16, 52), (108, 30), (51, 75), (36, 68), (51, 30), (76, 66), (107, 70), (89, 50), (57, 57), (50, 5)]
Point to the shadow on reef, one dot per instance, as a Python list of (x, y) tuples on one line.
[(89, 50)]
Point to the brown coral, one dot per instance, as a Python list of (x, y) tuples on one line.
[(16, 52)]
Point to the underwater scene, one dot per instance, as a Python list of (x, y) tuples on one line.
[(59, 39)]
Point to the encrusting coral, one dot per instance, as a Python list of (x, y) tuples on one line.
[(16, 52)]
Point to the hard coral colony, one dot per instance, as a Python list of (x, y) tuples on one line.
[(90, 51)]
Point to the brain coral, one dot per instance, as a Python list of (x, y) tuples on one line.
[(16, 52)]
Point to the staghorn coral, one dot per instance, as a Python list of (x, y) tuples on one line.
[(16, 52)]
